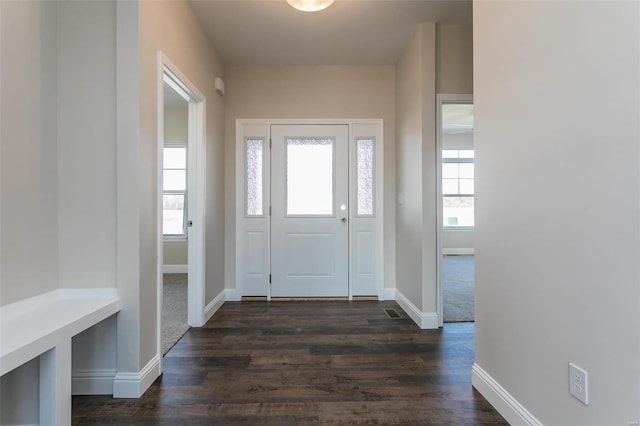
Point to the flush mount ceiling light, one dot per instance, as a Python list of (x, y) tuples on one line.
[(310, 5)]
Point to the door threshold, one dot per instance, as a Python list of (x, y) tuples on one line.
[(309, 299)]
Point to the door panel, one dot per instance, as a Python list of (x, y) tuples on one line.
[(309, 222)]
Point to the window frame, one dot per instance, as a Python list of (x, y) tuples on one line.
[(372, 139), (333, 142), (263, 148), (444, 195), (183, 236)]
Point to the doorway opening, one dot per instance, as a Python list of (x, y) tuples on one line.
[(456, 199), (181, 208), (174, 218)]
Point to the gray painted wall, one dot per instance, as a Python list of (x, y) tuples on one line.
[(568, 73), (29, 170), (438, 58), (311, 92)]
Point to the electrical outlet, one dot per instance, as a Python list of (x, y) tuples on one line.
[(578, 383)]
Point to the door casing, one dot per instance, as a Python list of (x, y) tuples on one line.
[(168, 72)]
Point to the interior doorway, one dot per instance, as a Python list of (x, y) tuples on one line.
[(181, 188), (456, 198), (174, 217)]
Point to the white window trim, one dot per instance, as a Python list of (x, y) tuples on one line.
[(373, 172), (458, 161), (183, 236)]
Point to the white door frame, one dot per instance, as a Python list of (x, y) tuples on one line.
[(440, 100), (255, 230), (168, 72)]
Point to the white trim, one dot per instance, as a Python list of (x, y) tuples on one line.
[(92, 382), (23, 334), (175, 269), (389, 293), (424, 320), (232, 295), (458, 251), (196, 187), (133, 385), (441, 99), (213, 306), (502, 401)]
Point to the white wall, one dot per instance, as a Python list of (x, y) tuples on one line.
[(176, 124), (454, 58), (19, 395), (568, 73), (311, 92), (175, 252), (86, 141), (58, 166), (29, 175)]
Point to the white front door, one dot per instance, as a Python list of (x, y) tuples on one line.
[(309, 219)]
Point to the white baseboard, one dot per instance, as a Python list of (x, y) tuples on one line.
[(501, 400), (92, 382), (458, 251), (213, 306), (175, 269), (133, 385), (425, 320), (232, 295), (389, 293)]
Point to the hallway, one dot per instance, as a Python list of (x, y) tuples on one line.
[(307, 363)]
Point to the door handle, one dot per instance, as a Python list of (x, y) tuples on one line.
[(343, 220)]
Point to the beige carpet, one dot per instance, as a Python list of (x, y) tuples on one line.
[(174, 310), (458, 285)]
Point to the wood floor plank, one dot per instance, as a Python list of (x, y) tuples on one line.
[(307, 363)]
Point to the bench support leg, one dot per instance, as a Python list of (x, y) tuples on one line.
[(55, 385)]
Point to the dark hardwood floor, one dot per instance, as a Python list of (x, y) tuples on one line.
[(307, 363)]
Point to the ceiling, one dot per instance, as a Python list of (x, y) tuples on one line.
[(350, 32)]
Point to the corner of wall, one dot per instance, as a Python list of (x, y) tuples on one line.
[(133, 385)]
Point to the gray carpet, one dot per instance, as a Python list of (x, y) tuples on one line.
[(457, 282), (174, 310)]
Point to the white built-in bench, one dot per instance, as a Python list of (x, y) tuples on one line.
[(43, 326)]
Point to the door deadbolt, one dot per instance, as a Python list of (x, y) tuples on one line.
[(344, 219)]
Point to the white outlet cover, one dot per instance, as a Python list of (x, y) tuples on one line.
[(578, 383)]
